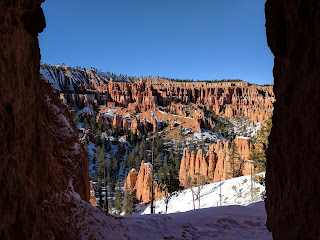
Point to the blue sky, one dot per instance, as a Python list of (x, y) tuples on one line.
[(186, 39)]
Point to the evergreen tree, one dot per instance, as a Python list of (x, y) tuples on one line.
[(121, 150), (93, 125), (170, 184), (128, 203), (107, 145), (118, 199), (233, 159), (261, 142), (158, 163), (102, 175), (76, 120)]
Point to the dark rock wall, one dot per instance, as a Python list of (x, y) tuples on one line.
[(293, 158), (40, 155)]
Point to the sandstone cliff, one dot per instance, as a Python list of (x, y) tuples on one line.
[(292, 179), (79, 88)]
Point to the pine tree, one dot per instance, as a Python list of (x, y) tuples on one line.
[(93, 125), (118, 199), (233, 159), (261, 142), (158, 163), (128, 203), (102, 174), (170, 184), (76, 120)]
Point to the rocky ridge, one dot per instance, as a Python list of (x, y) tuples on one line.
[(80, 88)]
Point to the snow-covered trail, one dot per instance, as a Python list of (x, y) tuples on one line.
[(219, 223), (229, 222)]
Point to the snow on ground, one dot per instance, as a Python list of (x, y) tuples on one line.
[(110, 113), (86, 109), (107, 137), (219, 223), (128, 115), (162, 112), (226, 222), (242, 125), (206, 135), (236, 191), (154, 116)]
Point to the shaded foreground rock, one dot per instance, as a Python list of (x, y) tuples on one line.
[(44, 168), (292, 178)]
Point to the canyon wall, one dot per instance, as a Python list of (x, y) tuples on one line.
[(292, 178), (227, 99), (215, 164)]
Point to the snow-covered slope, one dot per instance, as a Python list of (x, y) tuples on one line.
[(219, 223), (65, 79), (236, 191)]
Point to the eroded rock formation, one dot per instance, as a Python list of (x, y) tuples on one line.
[(140, 184), (215, 164), (292, 178), (92, 200), (225, 99)]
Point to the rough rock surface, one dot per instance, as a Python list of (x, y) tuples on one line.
[(93, 200), (140, 184), (214, 165), (44, 169), (131, 181), (292, 178)]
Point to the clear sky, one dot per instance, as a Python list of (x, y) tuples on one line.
[(186, 39)]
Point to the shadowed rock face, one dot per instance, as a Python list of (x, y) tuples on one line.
[(293, 158), (43, 165)]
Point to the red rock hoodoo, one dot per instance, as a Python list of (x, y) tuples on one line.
[(292, 178), (215, 165), (140, 184)]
